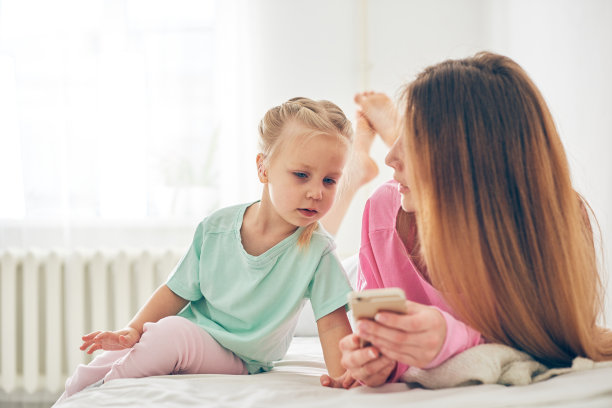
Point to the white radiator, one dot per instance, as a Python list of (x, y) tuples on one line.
[(49, 300)]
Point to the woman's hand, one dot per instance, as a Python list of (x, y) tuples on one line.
[(414, 338), (107, 340), (366, 365)]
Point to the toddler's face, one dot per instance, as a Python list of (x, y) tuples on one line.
[(303, 176)]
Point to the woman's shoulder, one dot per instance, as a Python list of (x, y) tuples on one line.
[(383, 205), (386, 193)]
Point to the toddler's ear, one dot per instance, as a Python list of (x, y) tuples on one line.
[(262, 172)]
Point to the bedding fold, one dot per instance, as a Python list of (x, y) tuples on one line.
[(490, 364)]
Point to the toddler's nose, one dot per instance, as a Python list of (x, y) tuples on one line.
[(314, 193)]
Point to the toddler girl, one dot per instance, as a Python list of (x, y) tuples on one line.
[(231, 304)]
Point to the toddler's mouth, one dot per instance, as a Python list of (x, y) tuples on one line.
[(307, 212)]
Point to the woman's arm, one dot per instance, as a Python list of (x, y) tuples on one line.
[(398, 340), (332, 328), (164, 302), (425, 337)]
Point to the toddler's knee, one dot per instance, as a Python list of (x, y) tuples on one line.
[(166, 330), (172, 323), (171, 340)]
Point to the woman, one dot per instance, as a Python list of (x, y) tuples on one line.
[(505, 238)]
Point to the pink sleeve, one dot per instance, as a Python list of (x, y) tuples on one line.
[(459, 337), (383, 263), (367, 278)]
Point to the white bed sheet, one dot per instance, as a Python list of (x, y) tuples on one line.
[(294, 382)]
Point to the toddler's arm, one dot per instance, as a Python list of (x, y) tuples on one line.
[(164, 302), (332, 328)]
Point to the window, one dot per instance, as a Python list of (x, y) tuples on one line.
[(109, 110)]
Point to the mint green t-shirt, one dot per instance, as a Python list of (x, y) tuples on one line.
[(250, 304)]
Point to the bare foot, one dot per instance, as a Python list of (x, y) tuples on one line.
[(380, 111), (363, 168)]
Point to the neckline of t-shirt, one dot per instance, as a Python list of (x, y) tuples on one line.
[(271, 254)]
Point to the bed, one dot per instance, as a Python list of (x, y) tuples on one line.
[(294, 382)]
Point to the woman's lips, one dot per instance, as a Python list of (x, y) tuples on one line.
[(403, 189)]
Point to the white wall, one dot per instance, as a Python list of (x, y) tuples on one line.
[(403, 37), (566, 47), (332, 49)]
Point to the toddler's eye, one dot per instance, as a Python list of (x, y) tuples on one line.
[(299, 174), (328, 180)]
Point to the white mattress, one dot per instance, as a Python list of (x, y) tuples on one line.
[(294, 382)]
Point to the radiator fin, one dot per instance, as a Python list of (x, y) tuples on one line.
[(49, 300)]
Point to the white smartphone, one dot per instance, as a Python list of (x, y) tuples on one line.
[(366, 303)]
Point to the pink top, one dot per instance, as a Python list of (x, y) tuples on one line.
[(383, 250)]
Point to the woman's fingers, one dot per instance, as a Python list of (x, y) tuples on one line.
[(349, 343), (349, 381), (392, 338), (419, 358), (414, 338), (364, 365), (399, 328), (376, 372), (384, 335), (367, 366), (370, 368), (417, 318), (359, 357)]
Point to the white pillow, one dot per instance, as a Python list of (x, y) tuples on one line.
[(307, 325)]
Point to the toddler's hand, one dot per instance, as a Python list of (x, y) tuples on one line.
[(344, 381), (107, 340)]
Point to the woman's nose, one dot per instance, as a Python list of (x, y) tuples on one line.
[(392, 159)]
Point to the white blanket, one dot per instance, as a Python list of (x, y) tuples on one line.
[(294, 383), (491, 364)]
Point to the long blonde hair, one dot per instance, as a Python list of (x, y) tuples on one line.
[(320, 116), (503, 233)]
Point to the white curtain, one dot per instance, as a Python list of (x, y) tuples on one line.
[(112, 114)]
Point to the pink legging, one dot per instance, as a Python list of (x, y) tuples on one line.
[(173, 345)]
